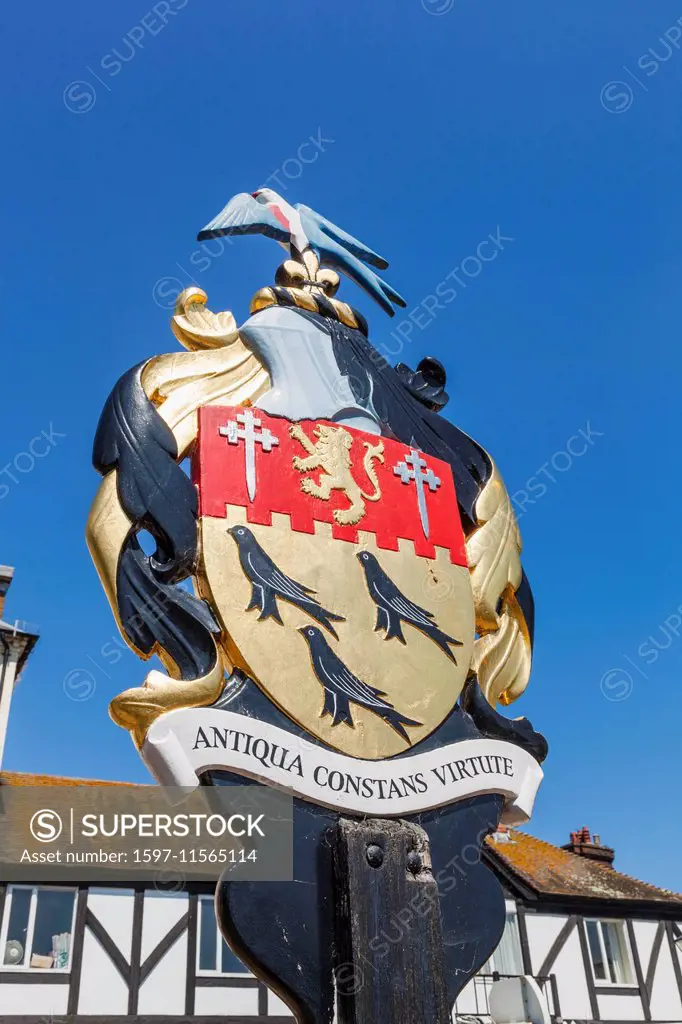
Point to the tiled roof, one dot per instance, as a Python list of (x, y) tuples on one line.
[(28, 779), (554, 873)]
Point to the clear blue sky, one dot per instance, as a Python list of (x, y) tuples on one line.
[(448, 122)]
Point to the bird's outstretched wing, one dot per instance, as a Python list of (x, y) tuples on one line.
[(375, 286), (346, 254), (353, 245), (243, 215)]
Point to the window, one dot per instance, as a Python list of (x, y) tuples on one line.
[(609, 952), (507, 957), (214, 956), (37, 928)]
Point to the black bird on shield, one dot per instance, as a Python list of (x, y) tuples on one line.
[(341, 687), (268, 583), (393, 608)]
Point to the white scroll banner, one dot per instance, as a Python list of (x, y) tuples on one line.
[(182, 744)]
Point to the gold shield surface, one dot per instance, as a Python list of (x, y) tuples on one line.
[(418, 679)]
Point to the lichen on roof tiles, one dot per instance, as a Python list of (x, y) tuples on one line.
[(552, 872), (29, 779)]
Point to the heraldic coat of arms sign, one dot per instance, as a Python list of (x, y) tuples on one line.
[(357, 609), (333, 576)]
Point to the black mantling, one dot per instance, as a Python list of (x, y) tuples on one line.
[(158, 497)]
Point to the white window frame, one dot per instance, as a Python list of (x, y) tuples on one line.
[(203, 972), (30, 929), (625, 946)]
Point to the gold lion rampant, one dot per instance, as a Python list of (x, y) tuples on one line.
[(331, 454)]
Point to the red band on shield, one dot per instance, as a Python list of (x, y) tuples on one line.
[(245, 457)]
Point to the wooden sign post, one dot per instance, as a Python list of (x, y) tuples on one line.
[(391, 958)]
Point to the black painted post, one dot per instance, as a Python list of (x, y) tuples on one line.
[(389, 940)]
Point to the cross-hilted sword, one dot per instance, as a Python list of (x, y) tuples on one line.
[(412, 468), (249, 425)]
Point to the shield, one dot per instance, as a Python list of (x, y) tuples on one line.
[(335, 562)]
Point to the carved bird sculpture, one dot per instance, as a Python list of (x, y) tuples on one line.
[(297, 229)]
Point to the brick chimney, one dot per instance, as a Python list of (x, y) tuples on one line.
[(585, 845), (6, 574)]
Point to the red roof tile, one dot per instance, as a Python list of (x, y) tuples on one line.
[(552, 872), (28, 779)]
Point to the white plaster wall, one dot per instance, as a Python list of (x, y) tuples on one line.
[(33, 999), (226, 1001), (276, 1007), (466, 1000), (645, 933), (542, 930), (621, 1007), (665, 996), (113, 908), (160, 912), (164, 989), (678, 951), (102, 987), (574, 995), (6, 693)]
